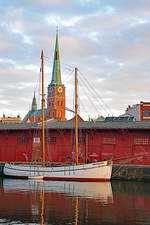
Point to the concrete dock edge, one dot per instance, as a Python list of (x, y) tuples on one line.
[(131, 172)]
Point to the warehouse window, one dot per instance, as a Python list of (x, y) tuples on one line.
[(109, 141), (50, 139), (22, 140), (147, 112), (80, 140), (141, 141)]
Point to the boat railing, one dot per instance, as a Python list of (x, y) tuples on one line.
[(37, 163)]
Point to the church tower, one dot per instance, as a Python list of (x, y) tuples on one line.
[(56, 90)]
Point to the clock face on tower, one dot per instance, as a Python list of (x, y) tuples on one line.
[(59, 90)]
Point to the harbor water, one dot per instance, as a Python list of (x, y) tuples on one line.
[(72, 203)]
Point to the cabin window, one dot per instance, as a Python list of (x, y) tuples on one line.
[(141, 141), (80, 140), (22, 140), (50, 139), (109, 141), (36, 140)]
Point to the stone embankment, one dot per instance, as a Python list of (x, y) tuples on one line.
[(1, 169), (131, 172)]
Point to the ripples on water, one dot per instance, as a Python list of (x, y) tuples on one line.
[(59, 203)]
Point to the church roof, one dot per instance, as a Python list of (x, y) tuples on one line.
[(31, 113), (56, 75)]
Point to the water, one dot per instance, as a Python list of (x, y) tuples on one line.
[(72, 203)]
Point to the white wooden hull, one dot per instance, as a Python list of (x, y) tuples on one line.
[(99, 171)]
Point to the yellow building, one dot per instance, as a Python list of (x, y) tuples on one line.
[(9, 119)]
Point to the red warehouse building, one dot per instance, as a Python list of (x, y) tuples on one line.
[(97, 141)]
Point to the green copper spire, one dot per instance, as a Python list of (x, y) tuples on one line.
[(34, 103), (56, 75)]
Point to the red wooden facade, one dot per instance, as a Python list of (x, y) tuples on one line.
[(95, 144), (145, 111)]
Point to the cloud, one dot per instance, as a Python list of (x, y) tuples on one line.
[(107, 40)]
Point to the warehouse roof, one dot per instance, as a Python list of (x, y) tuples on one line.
[(52, 124)]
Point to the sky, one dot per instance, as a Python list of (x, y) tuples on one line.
[(107, 40)]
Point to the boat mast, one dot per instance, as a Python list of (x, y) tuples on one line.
[(76, 116), (42, 208), (43, 104)]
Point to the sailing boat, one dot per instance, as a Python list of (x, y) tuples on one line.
[(93, 172)]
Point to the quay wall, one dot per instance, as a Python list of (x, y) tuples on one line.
[(1, 169), (131, 172)]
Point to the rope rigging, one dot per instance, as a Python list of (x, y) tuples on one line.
[(95, 93), (89, 99)]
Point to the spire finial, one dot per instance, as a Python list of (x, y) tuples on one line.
[(57, 30), (34, 103), (56, 74)]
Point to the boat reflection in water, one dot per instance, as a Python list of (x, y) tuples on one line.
[(45, 202), (42, 202), (99, 190)]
